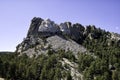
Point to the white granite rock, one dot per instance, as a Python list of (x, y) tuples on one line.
[(48, 26)]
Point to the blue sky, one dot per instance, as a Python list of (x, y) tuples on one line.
[(16, 15)]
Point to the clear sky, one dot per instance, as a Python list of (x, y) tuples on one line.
[(16, 15)]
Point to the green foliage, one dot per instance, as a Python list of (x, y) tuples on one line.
[(69, 77), (105, 52), (44, 67), (84, 61)]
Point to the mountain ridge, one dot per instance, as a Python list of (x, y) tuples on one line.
[(63, 52), (41, 29)]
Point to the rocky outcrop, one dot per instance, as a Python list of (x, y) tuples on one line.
[(48, 26), (43, 33), (39, 26), (55, 43), (34, 26), (73, 68), (115, 36)]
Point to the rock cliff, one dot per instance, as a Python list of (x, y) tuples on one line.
[(63, 51), (67, 36), (44, 33)]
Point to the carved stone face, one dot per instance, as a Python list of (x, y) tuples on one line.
[(64, 28), (48, 26)]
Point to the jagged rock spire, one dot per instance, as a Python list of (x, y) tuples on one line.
[(34, 26), (43, 29)]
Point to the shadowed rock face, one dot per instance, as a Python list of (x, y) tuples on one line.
[(38, 25), (46, 32), (34, 26)]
